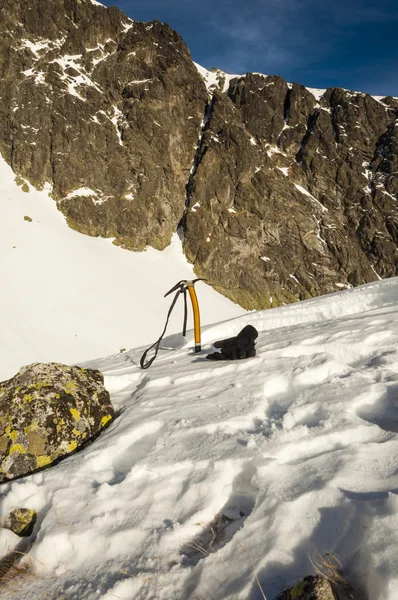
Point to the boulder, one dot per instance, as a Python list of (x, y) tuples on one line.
[(47, 411), (310, 588), (21, 521)]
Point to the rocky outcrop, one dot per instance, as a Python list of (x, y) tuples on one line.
[(104, 109), (310, 588), (289, 192), (293, 195), (47, 411)]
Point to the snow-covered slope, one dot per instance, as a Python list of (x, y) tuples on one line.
[(67, 297), (297, 448)]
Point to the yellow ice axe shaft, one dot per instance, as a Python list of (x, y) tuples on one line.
[(196, 314), (180, 288)]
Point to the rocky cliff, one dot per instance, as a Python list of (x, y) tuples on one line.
[(105, 109), (294, 191), (282, 192)]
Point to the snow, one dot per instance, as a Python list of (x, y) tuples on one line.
[(127, 26), (272, 150), (118, 121), (212, 78), (297, 446), (381, 99), (136, 81), (377, 275), (284, 170), (35, 47), (39, 75), (80, 80), (318, 93), (306, 193), (228, 77), (83, 191), (68, 274)]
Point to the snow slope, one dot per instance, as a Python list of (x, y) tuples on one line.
[(297, 448), (67, 297)]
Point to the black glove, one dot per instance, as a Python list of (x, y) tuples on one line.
[(240, 346)]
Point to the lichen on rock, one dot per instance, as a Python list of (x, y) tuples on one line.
[(309, 588), (47, 411), (21, 521)]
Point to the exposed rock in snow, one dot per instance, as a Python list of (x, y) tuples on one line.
[(46, 412), (21, 521)]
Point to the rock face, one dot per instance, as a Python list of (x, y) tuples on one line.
[(105, 109), (289, 192), (47, 411), (292, 195)]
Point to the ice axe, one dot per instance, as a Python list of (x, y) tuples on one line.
[(180, 288)]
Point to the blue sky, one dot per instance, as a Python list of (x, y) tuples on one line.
[(346, 43)]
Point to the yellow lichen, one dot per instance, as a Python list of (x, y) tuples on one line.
[(76, 432), (40, 385), (72, 446), (105, 420), (32, 427), (70, 387), (20, 519), (42, 461), (75, 414), (60, 424), (16, 448), (28, 397), (13, 434)]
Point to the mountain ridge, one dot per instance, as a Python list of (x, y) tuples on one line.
[(281, 194)]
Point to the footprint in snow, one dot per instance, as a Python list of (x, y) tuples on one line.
[(222, 528), (383, 411)]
